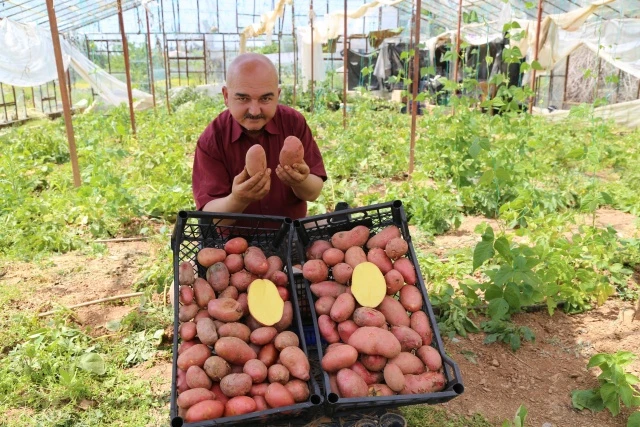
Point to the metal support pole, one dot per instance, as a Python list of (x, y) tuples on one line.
[(566, 82), (345, 54), (416, 84), (66, 107), (151, 80), (535, 57), (125, 49), (295, 52)]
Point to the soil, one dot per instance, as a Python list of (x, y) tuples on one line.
[(540, 375)]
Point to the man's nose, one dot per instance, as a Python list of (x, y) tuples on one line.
[(254, 108)]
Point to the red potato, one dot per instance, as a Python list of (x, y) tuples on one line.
[(187, 312), (186, 345), (239, 405), (286, 339), (323, 305), (208, 256), (255, 160), (236, 245), (408, 338), (255, 261), (346, 329), (234, 263), (275, 264), (219, 394), (380, 259), (294, 359), (258, 389), (181, 381), (186, 294), (230, 292), (205, 410), (225, 309), (344, 240), (393, 377), (292, 151), (315, 270), (280, 279), (340, 357), (380, 390), (428, 382), (333, 384), (376, 341), (203, 292), (327, 288), (430, 357), (217, 368), (263, 335), (287, 317), (278, 395), (278, 373), (328, 329), (196, 355), (188, 398), (373, 363), (242, 279), (261, 403), (381, 239), (268, 354), (419, 322), (218, 276), (365, 316), (394, 281), (350, 384), (187, 331), (368, 376), (234, 350), (396, 248), (235, 329), (236, 369), (405, 267), (355, 255), (186, 274), (206, 330), (317, 248), (343, 308), (394, 312), (202, 314), (243, 300), (411, 298), (236, 385), (342, 272), (252, 323), (332, 256), (256, 370), (299, 390), (408, 363), (198, 378)]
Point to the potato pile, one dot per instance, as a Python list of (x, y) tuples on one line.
[(372, 351), (228, 363)]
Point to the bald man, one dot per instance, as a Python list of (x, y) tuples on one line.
[(253, 116)]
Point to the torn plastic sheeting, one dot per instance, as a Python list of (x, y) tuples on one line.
[(624, 113)]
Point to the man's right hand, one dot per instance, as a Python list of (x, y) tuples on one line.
[(246, 189)]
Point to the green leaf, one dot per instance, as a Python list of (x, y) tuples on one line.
[(492, 292), (502, 246), (597, 360), (475, 149), (634, 420), (587, 399), (92, 362), (512, 296), (609, 395), (521, 416), (491, 338), (536, 66), (483, 252), (487, 177), (113, 325), (498, 308), (514, 342), (626, 395)]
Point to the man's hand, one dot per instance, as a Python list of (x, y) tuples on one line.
[(293, 175), (246, 190)]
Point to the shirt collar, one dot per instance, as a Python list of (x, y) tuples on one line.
[(271, 127)]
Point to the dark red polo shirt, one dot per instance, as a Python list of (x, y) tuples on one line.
[(220, 156)]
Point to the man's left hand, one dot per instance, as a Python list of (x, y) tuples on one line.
[(293, 175)]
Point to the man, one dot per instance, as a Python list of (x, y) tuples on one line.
[(220, 180)]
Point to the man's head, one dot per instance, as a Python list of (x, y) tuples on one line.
[(252, 91)]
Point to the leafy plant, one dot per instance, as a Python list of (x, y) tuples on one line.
[(519, 419)]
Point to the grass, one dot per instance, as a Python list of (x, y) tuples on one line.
[(424, 416)]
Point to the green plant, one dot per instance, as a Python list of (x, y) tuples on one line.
[(519, 419)]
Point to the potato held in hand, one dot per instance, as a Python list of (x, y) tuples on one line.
[(255, 160), (292, 151)]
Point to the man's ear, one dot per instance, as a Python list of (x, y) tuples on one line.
[(225, 95), (279, 91)]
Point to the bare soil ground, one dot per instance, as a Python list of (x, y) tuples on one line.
[(540, 375)]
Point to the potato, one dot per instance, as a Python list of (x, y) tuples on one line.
[(380, 258), (258, 389), (255, 160), (411, 298), (408, 363), (287, 317), (205, 410), (323, 305), (234, 263), (186, 294), (393, 377), (278, 373), (373, 363), (376, 341), (327, 288), (208, 256), (354, 256), (236, 385), (187, 312), (286, 339), (278, 396), (340, 357), (181, 381), (366, 316), (217, 368), (207, 331), (345, 329), (394, 312), (332, 256), (275, 264), (406, 268), (268, 354), (187, 331), (343, 308), (202, 314), (292, 151), (225, 309), (315, 270), (219, 394), (294, 359), (263, 335), (196, 355), (344, 240), (342, 273), (243, 300), (185, 345), (380, 390), (239, 405), (428, 382), (350, 384), (409, 339), (236, 369), (299, 390), (203, 292), (234, 350), (230, 292), (188, 398), (394, 281), (186, 274), (236, 245), (218, 276), (368, 376), (317, 248), (328, 329), (381, 239), (242, 279), (235, 329), (256, 370), (255, 261), (396, 248), (430, 357), (261, 403), (281, 280), (198, 378)]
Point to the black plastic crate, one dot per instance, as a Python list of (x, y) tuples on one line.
[(376, 217), (275, 236)]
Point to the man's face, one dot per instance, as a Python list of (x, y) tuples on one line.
[(252, 99)]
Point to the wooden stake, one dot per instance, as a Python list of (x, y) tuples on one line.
[(345, 65), (125, 51), (535, 57), (151, 80), (416, 84), (97, 301), (311, 17)]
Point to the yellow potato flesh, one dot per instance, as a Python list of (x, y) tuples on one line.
[(368, 285), (265, 303)]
